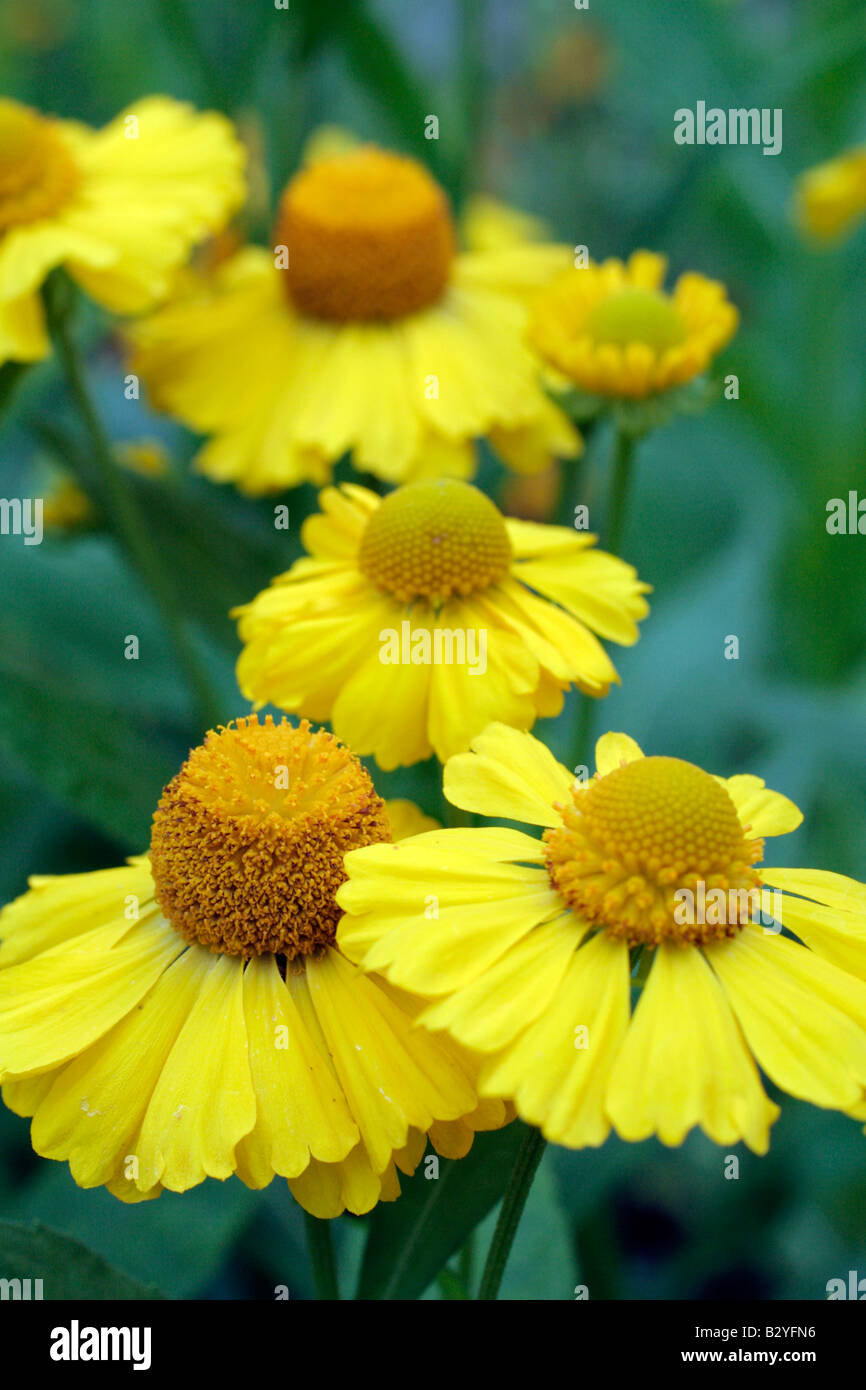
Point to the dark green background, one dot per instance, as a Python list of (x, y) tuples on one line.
[(568, 114)]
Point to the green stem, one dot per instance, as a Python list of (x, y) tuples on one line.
[(110, 489), (622, 463), (581, 750), (322, 1262), (516, 1193)]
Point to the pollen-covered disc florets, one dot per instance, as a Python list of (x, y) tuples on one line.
[(37, 170), (643, 850), (248, 839), (369, 236), (430, 540)]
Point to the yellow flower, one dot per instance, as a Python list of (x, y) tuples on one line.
[(189, 1016), (362, 331), (614, 331), (831, 198), (120, 208), (419, 619), (530, 958)]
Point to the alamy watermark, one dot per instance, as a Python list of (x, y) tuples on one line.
[(443, 646), (22, 516), (737, 126)]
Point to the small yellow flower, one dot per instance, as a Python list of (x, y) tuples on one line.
[(614, 331), (530, 958), (363, 330), (419, 619), (120, 208), (189, 1016), (66, 506), (831, 198)]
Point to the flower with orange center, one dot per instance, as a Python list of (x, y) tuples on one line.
[(190, 1015), (650, 874), (120, 208), (613, 331), (363, 331), (418, 619)]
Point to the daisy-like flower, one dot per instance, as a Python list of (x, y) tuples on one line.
[(530, 958), (613, 330), (831, 198), (120, 208), (363, 330), (189, 1016), (420, 618)]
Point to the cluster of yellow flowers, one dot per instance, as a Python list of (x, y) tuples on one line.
[(300, 979)]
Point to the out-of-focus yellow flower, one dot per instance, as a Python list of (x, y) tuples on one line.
[(613, 330), (66, 506), (120, 208), (831, 198), (364, 331)]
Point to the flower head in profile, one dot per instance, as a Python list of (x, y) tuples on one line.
[(614, 332), (119, 208), (189, 1016), (418, 619), (831, 197), (364, 330), (653, 871)]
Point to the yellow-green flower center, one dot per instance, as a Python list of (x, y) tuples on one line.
[(369, 236), (644, 850), (248, 839), (636, 316), (37, 171), (430, 540)]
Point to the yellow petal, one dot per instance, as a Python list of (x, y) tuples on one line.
[(684, 1061), (762, 811), (300, 1109), (508, 774), (53, 1007), (612, 750), (804, 1019), (513, 992), (557, 1071), (203, 1103)]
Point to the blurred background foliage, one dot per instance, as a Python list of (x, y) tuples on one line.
[(568, 114)]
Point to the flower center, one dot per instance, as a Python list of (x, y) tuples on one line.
[(636, 316), (430, 540), (248, 839), (655, 850), (369, 236), (37, 171)]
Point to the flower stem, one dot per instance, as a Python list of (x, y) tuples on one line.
[(109, 488), (623, 460), (321, 1250), (516, 1193)]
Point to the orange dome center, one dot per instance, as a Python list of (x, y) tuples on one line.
[(248, 839), (369, 236)]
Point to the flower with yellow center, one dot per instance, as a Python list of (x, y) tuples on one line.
[(652, 871), (418, 619), (190, 1016), (120, 208), (364, 330), (831, 197), (613, 330)]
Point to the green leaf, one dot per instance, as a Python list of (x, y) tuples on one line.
[(66, 1267), (83, 753), (410, 1241)]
